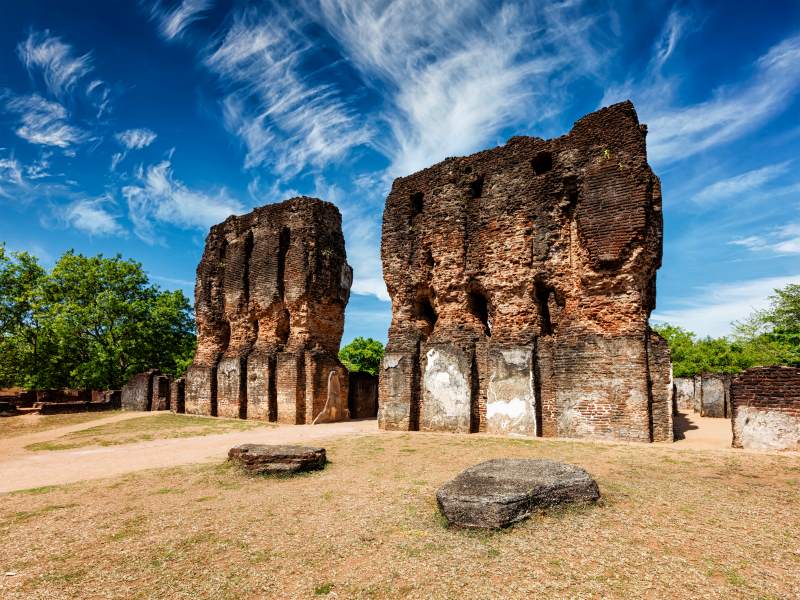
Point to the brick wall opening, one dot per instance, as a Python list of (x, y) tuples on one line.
[(542, 163)]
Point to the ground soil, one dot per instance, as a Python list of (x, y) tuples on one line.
[(674, 521)]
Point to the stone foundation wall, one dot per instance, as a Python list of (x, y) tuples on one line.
[(684, 393), (137, 394), (765, 403), (522, 279)]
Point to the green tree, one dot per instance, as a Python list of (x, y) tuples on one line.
[(92, 322), (362, 354), (24, 342), (776, 329)]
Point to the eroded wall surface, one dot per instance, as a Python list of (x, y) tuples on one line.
[(271, 291), (522, 279), (765, 402)]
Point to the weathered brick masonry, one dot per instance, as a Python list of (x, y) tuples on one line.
[(522, 279), (270, 296), (765, 402)]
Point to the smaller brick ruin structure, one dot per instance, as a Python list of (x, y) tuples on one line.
[(522, 279), (765, 403), (271, 291)]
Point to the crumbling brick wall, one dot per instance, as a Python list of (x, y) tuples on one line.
[(271, 291), (522, 279), (765, 404)]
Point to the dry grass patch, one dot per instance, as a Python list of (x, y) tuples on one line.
[(143, 429), (25, 424), (671, 524)]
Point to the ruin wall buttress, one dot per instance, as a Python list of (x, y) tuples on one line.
[(271, 291), (522, 278)]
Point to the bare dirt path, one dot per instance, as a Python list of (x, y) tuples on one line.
[(16, 444), (693, 432), (22, 469)]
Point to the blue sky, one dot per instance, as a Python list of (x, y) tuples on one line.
[(132, 127)]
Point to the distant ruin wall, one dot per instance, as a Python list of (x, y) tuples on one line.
[(708, 394), (363, 395), (271, 291), (522, 279), (765, 403)]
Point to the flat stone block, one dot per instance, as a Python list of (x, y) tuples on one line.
[(497, 493), (232, 388), (261, 459)]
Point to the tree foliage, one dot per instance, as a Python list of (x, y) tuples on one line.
[(362, 354), (768, 337), (91, 322)]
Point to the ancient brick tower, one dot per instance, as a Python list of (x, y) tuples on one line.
[(270, 296), (522, 279)]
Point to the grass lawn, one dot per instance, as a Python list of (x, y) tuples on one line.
[(24, 424), (142, 429), (672, 523)]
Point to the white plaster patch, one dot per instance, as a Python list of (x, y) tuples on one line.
[(511, 409), (766, 429), (390, 361), (446, 386)]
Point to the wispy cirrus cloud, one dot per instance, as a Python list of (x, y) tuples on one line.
[(56, 61), (95, 216), (679, 130), (713, 308), (44, 122), (743, 183), (136, 139), (172, 22), (456, 77), (159, 197), (282, 117), (778, 240)]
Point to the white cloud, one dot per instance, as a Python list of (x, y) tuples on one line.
[(714, 307), (159, 197), (743, 183), (455, 77), (780, 240), (136, 139), (92, 216), (173, 22), (10, 171), (60, 68), (679, 131), (44, 122), (280, 115), (116, 158)]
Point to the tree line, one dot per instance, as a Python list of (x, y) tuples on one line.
[(767, 337), (89, 322)]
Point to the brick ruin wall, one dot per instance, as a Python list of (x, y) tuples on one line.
[(765, 403), (522, 279), (271, 291)]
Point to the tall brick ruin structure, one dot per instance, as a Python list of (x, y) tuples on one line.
[(522, 279), (271, 291)]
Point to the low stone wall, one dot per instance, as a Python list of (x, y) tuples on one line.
[(362, 399), (707, 394), (765, 403), (150, 390)]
